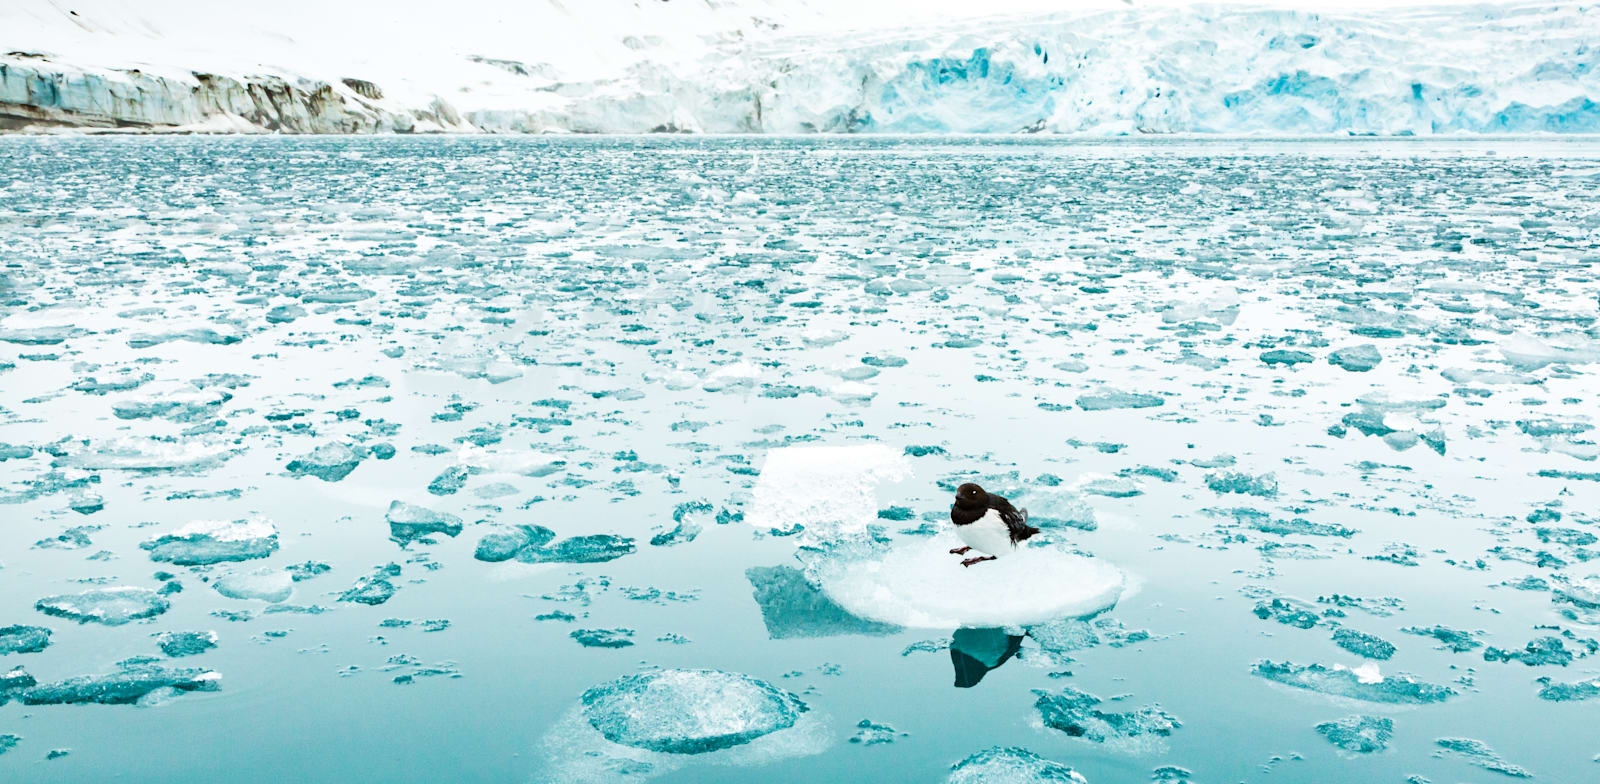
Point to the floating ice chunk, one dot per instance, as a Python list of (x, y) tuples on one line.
[(1359, 734), (214, 541), (176, 644), (40, 336), (734, 377), (1299, 526), (1011, 765), (1289, 612), (793, 607), (689, 711), (1356, 359), (195, 335), (853, 392), (1263, 486), (143, 454), (1526, 352), (1111, 487), (1454, 640), (1363, 683), (828, 491), (374, 589), (136, 681), (1107, 399), (110, 606), (1478, 753), (920, 584), (23, 639), (177, 402), (819, 337), (1570, 692), (1543, 651), (1363, 644), (409, 522), (265, 584), (869, 733), (505, 542), (1076, 713), (449, 481), (533, 464), (594, 548), (603, 638), (1286, 357), (329, 462)]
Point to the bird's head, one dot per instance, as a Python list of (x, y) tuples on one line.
[(971, 496)]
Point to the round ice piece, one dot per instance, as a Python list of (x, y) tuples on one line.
[(1011, 765), (689, 711), (267, 585), (920, 584)]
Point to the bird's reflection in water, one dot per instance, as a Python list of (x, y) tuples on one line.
[(975, 652)]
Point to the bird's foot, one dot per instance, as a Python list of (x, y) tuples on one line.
[(960, 550), (971, 561)]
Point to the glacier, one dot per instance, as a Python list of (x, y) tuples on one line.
[(754, 66)]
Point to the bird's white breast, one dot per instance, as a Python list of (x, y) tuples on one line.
[(987, 534)]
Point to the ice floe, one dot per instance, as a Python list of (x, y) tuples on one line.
[(920, 584)]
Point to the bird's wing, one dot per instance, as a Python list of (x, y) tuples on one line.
[(1016, 520)]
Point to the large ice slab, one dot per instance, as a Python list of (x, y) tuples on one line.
[(921, 584)]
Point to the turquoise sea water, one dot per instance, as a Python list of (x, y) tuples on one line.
[(1305, 395)]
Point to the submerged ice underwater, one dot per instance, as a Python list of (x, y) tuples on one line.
[(606, 459)]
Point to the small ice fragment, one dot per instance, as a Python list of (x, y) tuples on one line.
[(594, 548), (1363, 644), (265, 584), (109, 606), (1360, 734), (1478, 753), (374, 589), (603, 638), (505, 542), (329, 462), (1363, 683), (869, 733), (23, 639), (1076, 713), (409, 522), (214, 541), (1107, 399), (177, 644)]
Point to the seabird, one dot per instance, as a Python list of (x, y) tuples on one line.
[(987, 523)]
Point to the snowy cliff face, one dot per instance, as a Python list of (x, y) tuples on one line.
[(749, 66)]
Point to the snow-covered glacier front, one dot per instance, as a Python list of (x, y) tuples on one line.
[(756, 66)]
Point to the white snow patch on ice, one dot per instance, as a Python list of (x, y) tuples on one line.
[(831, 491)]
